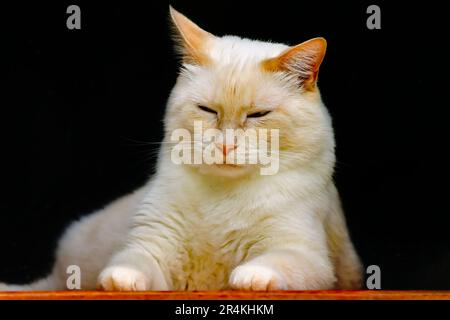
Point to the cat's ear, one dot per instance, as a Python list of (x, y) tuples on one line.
[(303, 61), (191, 40)]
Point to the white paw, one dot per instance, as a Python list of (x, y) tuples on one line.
[(118, 278), (258, 278)]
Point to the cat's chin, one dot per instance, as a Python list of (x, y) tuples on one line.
[(226, 170)]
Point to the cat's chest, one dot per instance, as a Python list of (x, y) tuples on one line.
[(202, 261), (215, 233), (213, 243)]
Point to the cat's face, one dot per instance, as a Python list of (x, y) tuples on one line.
[(248, 100)]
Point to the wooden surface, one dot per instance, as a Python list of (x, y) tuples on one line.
[(230, 295)]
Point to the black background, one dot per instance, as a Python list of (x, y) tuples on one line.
[(80, 109)]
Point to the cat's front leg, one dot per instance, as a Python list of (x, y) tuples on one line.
[(132, 270), (286, 269)]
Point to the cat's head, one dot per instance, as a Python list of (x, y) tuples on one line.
[(246, 85)]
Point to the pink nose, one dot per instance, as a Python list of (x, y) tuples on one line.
[(226, 148)]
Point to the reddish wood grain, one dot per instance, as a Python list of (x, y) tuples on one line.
[(229, 295)]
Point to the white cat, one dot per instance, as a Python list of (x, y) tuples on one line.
[(206, 227)]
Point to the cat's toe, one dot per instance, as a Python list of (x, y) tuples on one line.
[(118, 278), (257, 278)]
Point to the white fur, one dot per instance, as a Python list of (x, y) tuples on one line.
[(188, 230)]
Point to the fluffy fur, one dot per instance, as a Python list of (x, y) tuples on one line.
[(205, 227)]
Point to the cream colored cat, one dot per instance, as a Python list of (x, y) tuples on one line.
[(205, 227)]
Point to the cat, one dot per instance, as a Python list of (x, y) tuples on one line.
[(226, 226)]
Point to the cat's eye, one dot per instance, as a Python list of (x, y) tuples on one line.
[(258, 114), (206, 109)]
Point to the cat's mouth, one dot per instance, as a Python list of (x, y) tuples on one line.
[(228, 166), (225, 169)]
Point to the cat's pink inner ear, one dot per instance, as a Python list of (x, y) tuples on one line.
[(191, 39), (302, 60)]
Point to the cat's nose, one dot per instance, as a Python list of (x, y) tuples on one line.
[(226, 148)]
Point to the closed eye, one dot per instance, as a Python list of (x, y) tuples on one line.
[(206, 109), (258, 114)]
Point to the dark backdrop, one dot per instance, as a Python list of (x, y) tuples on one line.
[(79, 107)]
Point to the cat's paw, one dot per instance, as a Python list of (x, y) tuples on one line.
[(257, 278), (120, 278)]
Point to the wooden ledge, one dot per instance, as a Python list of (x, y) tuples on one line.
[(228, 295)]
